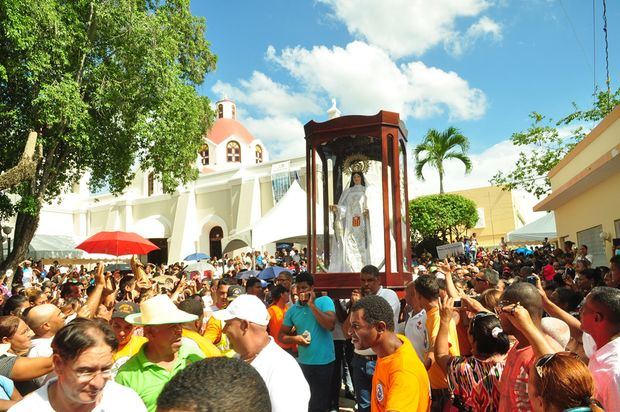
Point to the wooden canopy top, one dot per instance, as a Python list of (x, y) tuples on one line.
[(319, 132)]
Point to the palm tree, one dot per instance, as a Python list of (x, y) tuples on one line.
[(438, 147)]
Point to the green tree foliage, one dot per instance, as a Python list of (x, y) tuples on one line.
[(109, 85), (544, 146), (443, 217), (437, 147)]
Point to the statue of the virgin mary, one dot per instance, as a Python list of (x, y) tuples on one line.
[(351, 249)]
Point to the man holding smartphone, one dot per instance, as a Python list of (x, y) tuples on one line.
[(313, 318)]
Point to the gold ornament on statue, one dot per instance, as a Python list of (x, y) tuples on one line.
[(356, 163)]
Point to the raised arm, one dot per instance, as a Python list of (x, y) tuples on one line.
[(520, 318), (555, 311), (95, 297), (450, 288), (327, 319), (442, 346)]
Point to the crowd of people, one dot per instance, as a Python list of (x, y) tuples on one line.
[(490, 330)]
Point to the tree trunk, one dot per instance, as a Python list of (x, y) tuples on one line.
[(25, 227), (441, 182)]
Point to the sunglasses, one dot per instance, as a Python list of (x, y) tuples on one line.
[(545, 359), (480, 279)]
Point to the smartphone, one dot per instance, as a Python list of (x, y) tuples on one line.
[(457, 303), (531, 279)]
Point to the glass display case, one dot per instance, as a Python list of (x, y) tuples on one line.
[(357, 200)]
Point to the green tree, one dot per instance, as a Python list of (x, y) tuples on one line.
[(544, 146), (437, 147), (110, 86), (443, 217)]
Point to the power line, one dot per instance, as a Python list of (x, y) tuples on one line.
[(570, 23), (608, 78), (594, 46)]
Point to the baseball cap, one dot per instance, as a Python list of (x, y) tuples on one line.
[(245, 307), (234, 291), (124, 308)]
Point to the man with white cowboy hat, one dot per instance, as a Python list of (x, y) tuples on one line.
[(163, 355)]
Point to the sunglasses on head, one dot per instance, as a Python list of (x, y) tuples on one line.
[(545, 359)]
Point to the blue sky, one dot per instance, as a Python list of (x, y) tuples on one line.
[(480, 65)]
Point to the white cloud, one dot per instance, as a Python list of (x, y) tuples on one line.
[(501, 156), (283, 136), (364, 79), (459, 43), (279, 129), (406, 27), (268, 96)]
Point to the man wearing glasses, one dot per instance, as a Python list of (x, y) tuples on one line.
[(285, 279), (83, 363), (486, 280)]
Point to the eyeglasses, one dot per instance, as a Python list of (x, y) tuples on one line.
[(87, 376)]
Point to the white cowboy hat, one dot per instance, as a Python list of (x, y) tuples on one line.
[(159, 310)]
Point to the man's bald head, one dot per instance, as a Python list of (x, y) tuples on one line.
[(45, 320), (526, 295)]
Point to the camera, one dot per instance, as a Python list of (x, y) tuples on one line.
[(531, 279), (457, 303)]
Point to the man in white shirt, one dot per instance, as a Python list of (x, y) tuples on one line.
[(83, 363), (246, 328), (45, 321), (28, 276), (600, 317), (415, 328), (364, 361), (583, 254)]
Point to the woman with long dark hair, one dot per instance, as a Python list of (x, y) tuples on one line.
[(473, 380)]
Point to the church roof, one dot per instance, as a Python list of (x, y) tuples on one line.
[(224, 128)]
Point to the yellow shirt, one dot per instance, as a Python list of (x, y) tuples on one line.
[(436, 375), (132, 347), (203, 343), (214, 333), (126, 352), (400, 382)]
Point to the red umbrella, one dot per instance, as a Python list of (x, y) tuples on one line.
[(117, 244)]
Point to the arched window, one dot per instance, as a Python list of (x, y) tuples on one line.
[(204, 154), (215, 242), (259, 154), (151, 184), (233, 152), (220, 111)]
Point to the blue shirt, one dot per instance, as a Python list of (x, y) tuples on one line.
[(321, 348), (6, 388)]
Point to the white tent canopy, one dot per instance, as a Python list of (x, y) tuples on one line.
[(535, 231), (285, 222), (53, 246)]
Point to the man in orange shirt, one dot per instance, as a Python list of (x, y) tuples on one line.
[(400, 382), (281, 296)]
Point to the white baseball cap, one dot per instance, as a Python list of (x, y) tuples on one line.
[(245, 307)]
